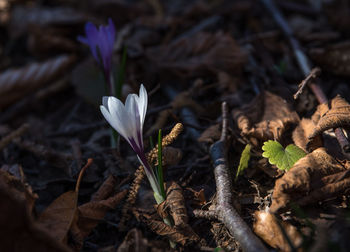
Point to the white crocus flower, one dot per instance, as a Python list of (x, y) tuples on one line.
[(128, 120)]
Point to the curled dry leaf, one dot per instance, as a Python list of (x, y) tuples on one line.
[(106, 189), (335, 115), (18, 232), (176, 203), (15, 84), (269, 230), (177, 234), (266, 117), (315, 177), (199, 53), (335, 58)]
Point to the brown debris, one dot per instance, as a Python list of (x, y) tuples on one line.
[(335, 115), (21, 233), (18, 132), (335, 58), (133, 241), (176, 203), (267, 227), (266, 117), (15, 84), (90, 214), (19, 190), (58, 217), (315, 177), (199, 53), (211, 134)]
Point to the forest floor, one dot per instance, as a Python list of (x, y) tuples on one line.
[(222, 77)]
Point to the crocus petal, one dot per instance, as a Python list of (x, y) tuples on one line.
[(142, 103), (131, 107), (117, 116), (83, 40), (92, 36), (105, 102)]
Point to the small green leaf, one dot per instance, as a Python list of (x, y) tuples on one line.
[(243, 162), (284, 159)]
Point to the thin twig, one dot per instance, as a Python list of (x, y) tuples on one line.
[(224, 208), (18, 132), (312, 75), (303, 64)]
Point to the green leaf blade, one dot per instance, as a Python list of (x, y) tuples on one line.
[(244, 160), (284, 159)]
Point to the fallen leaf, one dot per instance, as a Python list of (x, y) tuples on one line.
[(176, 203), (335, 115), (19, 190), (211, 134), (315, 177), (334, 58), (267, 227), (90, 214), (18, 232), (17, 83), (267, 117), (59, 215), (198, 54)]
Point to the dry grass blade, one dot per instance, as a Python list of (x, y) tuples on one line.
[(15, 84)]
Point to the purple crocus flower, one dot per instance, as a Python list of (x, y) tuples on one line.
[(101, 42)]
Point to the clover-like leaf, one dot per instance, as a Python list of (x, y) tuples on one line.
[(284, 159), (243, 162)]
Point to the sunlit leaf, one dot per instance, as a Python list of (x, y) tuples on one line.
[(243, 162), (284, 159)]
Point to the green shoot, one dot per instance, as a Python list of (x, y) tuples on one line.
[(284, 159), (160, 168), (243, 162)]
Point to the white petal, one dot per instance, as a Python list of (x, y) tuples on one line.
[(142, 103), (131, 107), (105, 102), (119, 117)]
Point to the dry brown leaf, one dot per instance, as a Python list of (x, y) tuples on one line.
[(200, 53), (268, 229), (197, 199), (19, 190), (302, 133), (334, 58), (59, 215), (178, 234), (176, 203), (91, 213), (266, 117), (15, 84), (106, 189), (335, 115), (18, 232), (315, 177), (211, 134)]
